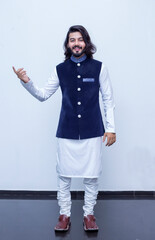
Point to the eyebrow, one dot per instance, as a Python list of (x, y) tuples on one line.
[(74, 38)]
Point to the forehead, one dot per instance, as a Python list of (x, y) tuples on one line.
[(75, 35)]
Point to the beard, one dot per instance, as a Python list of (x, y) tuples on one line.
[(76, 54)]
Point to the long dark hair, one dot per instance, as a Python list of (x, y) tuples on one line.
[(90, 48)]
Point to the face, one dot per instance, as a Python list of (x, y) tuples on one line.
[(76, 44)]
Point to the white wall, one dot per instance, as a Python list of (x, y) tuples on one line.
[(32, 35)]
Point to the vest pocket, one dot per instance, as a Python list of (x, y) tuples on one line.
[(88, 79)]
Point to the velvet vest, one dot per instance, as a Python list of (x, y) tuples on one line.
[(80, 115)]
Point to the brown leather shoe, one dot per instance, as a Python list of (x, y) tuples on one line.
[(89, 223), (63, 223)]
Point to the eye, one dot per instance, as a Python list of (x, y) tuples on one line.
[(71, 40)]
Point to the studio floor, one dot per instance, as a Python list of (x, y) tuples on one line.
[(118, 219)]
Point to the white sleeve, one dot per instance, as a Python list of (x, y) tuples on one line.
[(47, 91), (107, 98)]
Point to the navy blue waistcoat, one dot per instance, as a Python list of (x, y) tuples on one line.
[(80, 116)]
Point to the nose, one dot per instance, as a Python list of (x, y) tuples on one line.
[(76, 42)]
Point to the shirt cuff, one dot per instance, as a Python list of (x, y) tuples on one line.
[(110, 130), (26, 84)]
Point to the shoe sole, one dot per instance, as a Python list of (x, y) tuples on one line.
[(90, 229), (63, 230)]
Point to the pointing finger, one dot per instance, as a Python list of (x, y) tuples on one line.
[(14, 69)]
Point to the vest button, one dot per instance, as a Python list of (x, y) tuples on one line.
[(79, 103), (78, 64), (79, 116), (78, 89), (78, 76)]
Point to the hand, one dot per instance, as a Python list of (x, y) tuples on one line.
[(111, 138), (21, 74)]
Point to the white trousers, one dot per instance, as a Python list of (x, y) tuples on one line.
[(64, 195)]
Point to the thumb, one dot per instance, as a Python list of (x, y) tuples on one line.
[(104, 137)]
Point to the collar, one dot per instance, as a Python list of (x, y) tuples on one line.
[(77, 60)]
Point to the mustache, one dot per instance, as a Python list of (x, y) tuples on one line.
[(77, 46)]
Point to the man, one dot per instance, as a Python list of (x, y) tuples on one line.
[(80, 129)]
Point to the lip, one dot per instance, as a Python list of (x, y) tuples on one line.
[(77, 49)]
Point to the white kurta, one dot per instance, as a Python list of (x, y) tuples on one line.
[(82, 157)]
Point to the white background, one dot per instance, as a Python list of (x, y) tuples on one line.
[(31, 36)]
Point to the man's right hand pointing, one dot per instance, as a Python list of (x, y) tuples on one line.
[(21, 74)]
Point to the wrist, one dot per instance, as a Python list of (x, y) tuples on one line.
[(26, 80)]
